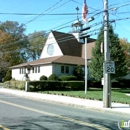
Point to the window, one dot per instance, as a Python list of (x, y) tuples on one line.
[(38, 69), (62, 69), (24, 70), (35, 69), (67, 69), (20, 70), (32, 69), (50, 49)]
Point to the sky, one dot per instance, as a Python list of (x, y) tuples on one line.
[(60, 14)]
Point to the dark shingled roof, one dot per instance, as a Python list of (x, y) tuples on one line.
[(73, 60), (89, 50), (68, 44), (73, 51)]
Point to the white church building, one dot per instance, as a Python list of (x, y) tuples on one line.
[(61, 53)]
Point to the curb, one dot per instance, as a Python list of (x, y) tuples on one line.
[(119, 108)]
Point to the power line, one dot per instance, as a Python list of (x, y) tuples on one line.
[(43, 12), (47, 10), (51, 11), (61, 28), (37, 14), (115, 8), (59, 41), (118, 3), (120, 19), (21, 6), (124, 28), (64, 39), (91, 25), (21, 40), (71, 21), (124, 12), (7, 5)]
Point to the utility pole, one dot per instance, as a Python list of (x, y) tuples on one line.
[(86, 63), (107, 82), (86, 50)]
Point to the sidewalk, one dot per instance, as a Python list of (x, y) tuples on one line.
[(78, 102)]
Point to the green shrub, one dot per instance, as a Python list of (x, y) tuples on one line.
[(13, 79), (8, 76), (52, 77), (78, 85), (56, 85), (121, 83), (43, 77), (21, 85), (44, 85), (67, 78), (78, 72), (15, 84), (3, 80), (38, 85)]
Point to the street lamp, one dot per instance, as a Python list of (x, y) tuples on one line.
[(29, 68), (28, 71), (27, 77)]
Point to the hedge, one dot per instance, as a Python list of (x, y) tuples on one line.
[(122, 83), (62, 85), (56, 85), (15, 84), (67, 78)]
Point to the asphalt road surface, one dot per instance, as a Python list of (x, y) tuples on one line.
[(17, 113)]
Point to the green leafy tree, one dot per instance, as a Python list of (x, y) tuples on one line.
[(126, 47), (36, 44), (12, 44), (116, 54), (3, 67), (8, 76), (78, 72)]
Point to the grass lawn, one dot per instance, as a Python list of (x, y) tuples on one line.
[(117, 95)]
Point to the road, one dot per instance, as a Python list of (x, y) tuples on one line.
[(17, 113)]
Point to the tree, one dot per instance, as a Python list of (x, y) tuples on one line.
[(116, 54), (3, 67), (78, 72), (12, 44), (36, 43), (12, 41), (8, 75), (126, 47)]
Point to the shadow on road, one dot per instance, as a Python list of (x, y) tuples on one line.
[(53, 123)]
